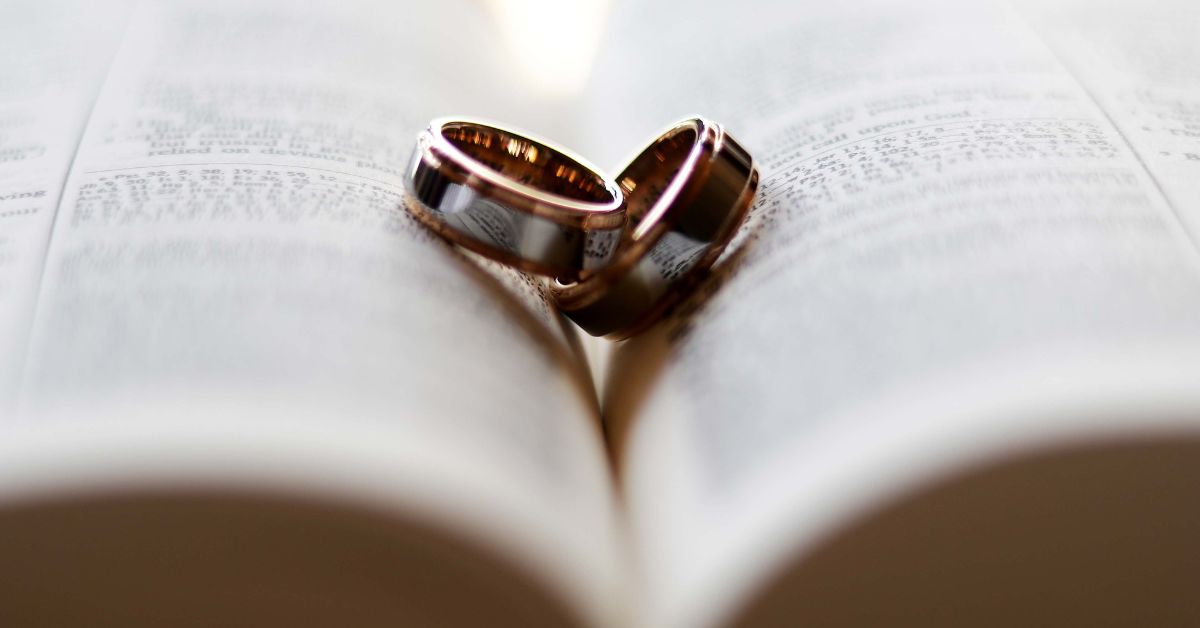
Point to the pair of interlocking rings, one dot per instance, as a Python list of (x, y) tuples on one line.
[(622, 252)]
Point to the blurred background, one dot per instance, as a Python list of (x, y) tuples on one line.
[(552, 43)]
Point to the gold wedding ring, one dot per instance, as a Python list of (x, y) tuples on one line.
[(685, 194), (514, 198)]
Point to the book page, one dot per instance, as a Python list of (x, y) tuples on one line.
[(53, 56), (233, 293), (1139, 63), (955, 255)]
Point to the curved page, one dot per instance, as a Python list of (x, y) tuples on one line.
[(234, 300)]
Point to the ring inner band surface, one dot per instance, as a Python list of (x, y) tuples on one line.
[(514, 199), (527, 162), (646, 179)]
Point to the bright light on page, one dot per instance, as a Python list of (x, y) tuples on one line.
[(552, 42)]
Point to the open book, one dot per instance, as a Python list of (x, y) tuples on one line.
[(948, 373)]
